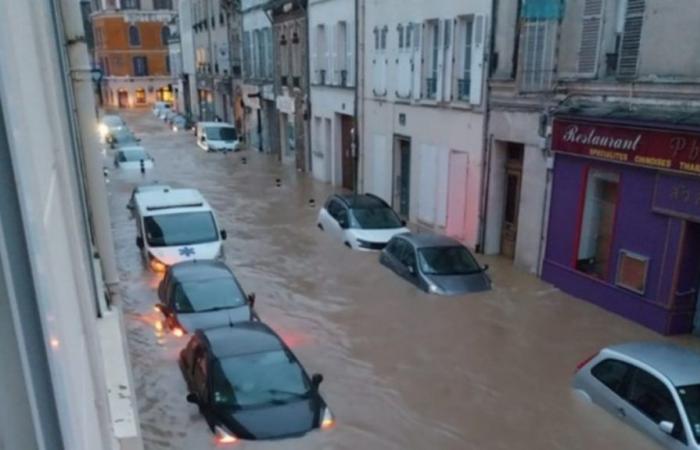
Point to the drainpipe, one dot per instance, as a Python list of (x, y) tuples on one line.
[(358, 160), (81, 80), (487, 141)]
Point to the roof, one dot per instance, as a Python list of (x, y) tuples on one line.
[(361, 201), (420, 240), (623, 113), (161, 202), (199, 270), (680, 365), (242, 339)]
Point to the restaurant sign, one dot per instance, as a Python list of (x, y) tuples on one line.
[(667, 150)]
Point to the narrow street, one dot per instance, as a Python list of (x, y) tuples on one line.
[(403, 370)]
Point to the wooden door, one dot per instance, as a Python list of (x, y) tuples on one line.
[(346, 125)]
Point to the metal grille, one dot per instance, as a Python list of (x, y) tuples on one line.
[(537, 55), (631, 37)]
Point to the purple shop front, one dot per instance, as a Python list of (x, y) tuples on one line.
[(624, 225)]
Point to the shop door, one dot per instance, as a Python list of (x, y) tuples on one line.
[(402, 177), (514, 172), (123, 99), (687, 281), (457, 195), (346, 149)]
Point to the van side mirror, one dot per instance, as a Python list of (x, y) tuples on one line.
[(316, 380), (139, 242), (667, 427), (192, 398), (403, 223), (485, 268), (251, 299), (224, 235)]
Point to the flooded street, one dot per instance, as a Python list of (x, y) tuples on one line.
[(403, 369)]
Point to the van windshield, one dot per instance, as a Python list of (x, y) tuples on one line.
[(221, 133), (167, 230)]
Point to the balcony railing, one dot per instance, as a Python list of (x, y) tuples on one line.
[(431, 88), (464, 88)]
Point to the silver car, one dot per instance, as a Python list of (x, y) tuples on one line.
[(654, 387), (437, 264)]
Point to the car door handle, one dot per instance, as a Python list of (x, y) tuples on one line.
[(621, 412)]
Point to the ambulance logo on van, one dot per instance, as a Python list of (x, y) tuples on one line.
[(186, 251)]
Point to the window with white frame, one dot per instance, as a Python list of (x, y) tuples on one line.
[(404, 60), (431, 55), (283, 45), (341, 53), (463, 57), (321, 55), (538, 38), (380, 61)]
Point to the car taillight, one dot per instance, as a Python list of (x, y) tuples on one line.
[(327, 422), (223, 437), (580, 365)]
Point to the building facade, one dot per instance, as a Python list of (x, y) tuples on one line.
[(258, 88), (332, 57), (423, 111), (131, 48), (593, 148), (212, 61), (289, 37), (65, 372)]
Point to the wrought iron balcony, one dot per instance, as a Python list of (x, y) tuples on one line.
[(431, 88), (464, 88)]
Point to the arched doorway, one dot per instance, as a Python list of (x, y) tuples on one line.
[(123, 97)]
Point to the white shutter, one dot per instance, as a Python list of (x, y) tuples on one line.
[(631, 37), (448, 50), (417, 60), (313, 56), (332, 54), (350, 45), (441, 58), (590, 37), (477, 70)]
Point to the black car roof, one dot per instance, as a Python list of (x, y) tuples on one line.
[(421, 240), (242, 339), (361, 201), (197, 270)]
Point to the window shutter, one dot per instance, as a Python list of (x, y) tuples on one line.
[(590, 37), (440, 58), (417, 60), (446, 75), (331, 53), (351, 53), (631, 36), (477, 69), (313, 55)]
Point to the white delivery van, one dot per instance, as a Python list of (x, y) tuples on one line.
[(176, 225), (217, 137)]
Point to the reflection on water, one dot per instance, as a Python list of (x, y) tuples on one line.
[(403, 370)]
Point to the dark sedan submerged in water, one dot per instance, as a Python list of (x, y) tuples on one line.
[(249, 385), (436, 264)]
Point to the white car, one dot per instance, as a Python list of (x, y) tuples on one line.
[(110, 124), (361, 222), (133, 158), (217, 137), (176, 225)]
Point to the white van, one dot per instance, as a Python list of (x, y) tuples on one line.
[(217, 137), (175, 225)]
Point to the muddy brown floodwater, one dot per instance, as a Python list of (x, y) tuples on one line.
[(403, 369)]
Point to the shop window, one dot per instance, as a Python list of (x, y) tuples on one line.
[(632, 271), (597, 223), (140, 96)]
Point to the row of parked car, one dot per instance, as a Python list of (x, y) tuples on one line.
[(129, 154), (246, 381), (652, 386)]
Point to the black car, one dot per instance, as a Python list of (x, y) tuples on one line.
[(249, 385), (200, 295), (436, 264)]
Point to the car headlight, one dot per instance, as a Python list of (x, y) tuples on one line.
[(433, 288), (155, 264), (102, 129), (223, 436), (328, 420)]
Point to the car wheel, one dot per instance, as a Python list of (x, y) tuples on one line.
[(347, 244)]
